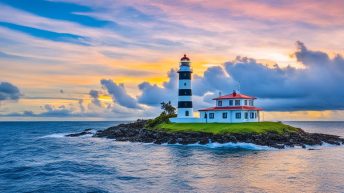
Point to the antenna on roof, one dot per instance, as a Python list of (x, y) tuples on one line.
[(239, 87), (220, 94)]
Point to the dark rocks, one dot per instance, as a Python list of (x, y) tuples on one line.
[(135, 132)]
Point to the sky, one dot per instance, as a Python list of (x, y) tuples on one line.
[(117, 60)]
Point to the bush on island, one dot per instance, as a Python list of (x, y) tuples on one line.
[(169, 112)]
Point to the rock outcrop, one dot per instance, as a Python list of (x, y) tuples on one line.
[(136, 132)]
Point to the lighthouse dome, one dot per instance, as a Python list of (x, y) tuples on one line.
[(185, 58)]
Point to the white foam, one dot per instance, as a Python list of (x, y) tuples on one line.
[(55, 135), (230, 145), (323, 145), (62, 135)]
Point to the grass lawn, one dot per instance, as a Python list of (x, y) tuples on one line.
[(222, 128)]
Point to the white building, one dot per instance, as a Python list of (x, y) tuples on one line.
[(231, 108)]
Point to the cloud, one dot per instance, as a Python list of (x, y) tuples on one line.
[(258, 79), (95, 98), (153, 95), (52, 111), (50, 35), (214, 79), (81, 105), (317, 86), (8, 91), (119, 94)]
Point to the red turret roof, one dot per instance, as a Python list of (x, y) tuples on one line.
[(234, 95), (185, 58), (232, 108)]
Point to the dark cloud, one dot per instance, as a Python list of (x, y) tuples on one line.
[(258, 79), (317, 86), (119, 94), (153, 95), (8, 91), (95, 98), (51, 111), (214, 79)]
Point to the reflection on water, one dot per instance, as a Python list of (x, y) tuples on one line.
[(54, 164)]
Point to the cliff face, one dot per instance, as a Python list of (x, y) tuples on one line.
[(136, 132)]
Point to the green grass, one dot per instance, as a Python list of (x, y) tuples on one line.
[(223, 128)]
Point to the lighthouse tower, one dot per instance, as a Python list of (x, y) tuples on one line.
[(185, 93)]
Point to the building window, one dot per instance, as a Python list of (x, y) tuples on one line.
[(219, 103), (246, 115), (211, 115), (186, 113), (184, 83), (251, 102), (252, 115), (224, 115), (237, 102), (230, 102), (238, 115), (245, 102)]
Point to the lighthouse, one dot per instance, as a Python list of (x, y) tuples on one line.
[(185, 92)]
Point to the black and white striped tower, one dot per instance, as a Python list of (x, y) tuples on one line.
[(185, 92)]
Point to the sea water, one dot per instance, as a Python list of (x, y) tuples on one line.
[(36, 157)]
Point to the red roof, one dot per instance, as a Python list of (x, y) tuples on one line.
[(232, 108), (234, 95), (185, 58)]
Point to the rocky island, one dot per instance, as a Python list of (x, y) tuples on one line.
[(161, 131), (272, 134)]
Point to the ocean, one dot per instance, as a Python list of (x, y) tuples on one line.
[(36, 157)]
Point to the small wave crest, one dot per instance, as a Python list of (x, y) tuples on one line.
[(62, 135), (55, 135), (244, 146)]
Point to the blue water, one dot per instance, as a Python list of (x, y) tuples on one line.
[(35, 157)]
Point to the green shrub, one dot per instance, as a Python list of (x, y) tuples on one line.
[(169, 112), (162, 118)]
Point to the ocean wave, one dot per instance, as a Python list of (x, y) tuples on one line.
[(323, 145), (55, 135), (230, 145), (62, 135)]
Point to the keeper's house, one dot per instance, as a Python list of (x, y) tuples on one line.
[(231, 108)]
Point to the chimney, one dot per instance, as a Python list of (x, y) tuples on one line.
[(220, 94), (234, 93)]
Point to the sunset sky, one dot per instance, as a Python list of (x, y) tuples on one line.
[(117, 60)]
